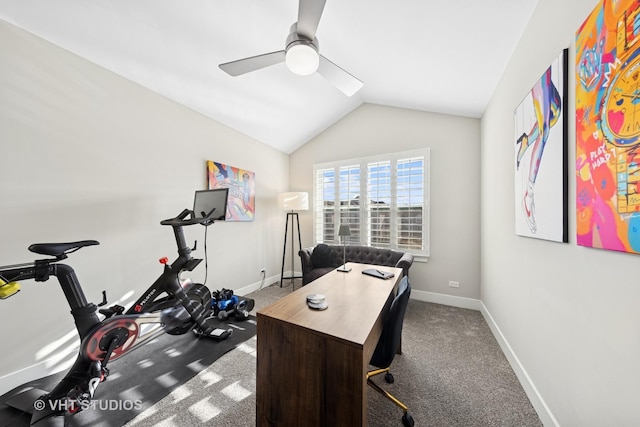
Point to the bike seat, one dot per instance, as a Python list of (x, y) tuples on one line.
[(59, 249)]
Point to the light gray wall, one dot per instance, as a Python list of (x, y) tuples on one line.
[(570, 314), (455, 199), (86, 154)]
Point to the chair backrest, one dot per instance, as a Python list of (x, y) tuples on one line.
[(392, 330)]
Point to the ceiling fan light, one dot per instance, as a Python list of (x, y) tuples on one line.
[(302, 59)]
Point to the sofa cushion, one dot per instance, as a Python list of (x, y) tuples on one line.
[(370, 255), (321, 256)]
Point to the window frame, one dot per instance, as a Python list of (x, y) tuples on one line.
[(364, 232)]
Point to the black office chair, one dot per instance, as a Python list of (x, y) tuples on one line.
[(388, 344)]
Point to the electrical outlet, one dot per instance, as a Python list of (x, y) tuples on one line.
[(453, 284)]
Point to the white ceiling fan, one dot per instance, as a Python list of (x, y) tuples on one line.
[(301, 53)]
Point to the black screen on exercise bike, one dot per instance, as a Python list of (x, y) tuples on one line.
[(205, 200)]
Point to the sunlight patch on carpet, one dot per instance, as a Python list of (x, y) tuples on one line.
[(236, 392), (204, 410), (249, 349), (181, 393), (209, 377)]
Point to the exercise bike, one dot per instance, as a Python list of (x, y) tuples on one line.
[(167, 306)]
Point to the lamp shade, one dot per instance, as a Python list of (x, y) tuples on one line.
[(294, 201), (344, 230)]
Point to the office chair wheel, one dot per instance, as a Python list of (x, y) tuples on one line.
[(388, 377), (407, 420)]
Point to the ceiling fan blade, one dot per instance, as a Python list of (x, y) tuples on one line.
[(253, 63), (338, 77), (309, 13)]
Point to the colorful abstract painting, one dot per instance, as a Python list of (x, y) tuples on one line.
[(541, 171), (241, 205), (608, 127)]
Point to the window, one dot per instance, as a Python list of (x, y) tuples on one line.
[(384, 199)]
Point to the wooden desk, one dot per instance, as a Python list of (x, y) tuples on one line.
[(311, 365)]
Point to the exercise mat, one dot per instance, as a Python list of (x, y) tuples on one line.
[(141, 378)]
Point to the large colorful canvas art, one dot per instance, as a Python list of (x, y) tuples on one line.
[(241, 204), (608, 127), (541, 171)]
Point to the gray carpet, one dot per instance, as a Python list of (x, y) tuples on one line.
[(451, 373)]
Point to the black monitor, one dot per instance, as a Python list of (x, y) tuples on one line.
[(205, 200)]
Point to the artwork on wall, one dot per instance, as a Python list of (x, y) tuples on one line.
[(541, 171), (241, 204), (608, 128)]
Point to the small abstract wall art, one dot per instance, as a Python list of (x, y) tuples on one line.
[(608, 127), (241, 204), (541, 168)]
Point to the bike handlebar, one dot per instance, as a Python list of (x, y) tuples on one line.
[(181, 221)]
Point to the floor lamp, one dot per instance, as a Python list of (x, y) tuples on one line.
[(291, 202)]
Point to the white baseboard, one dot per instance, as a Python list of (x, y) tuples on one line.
[(461, 302), (256, 285), (530, 389)]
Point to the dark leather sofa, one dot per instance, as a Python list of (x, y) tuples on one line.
[(314, 266)]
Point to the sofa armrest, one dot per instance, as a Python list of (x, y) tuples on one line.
[(405, 263), (305, 260)]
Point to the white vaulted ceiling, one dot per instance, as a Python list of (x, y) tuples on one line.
[(440, 56)]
